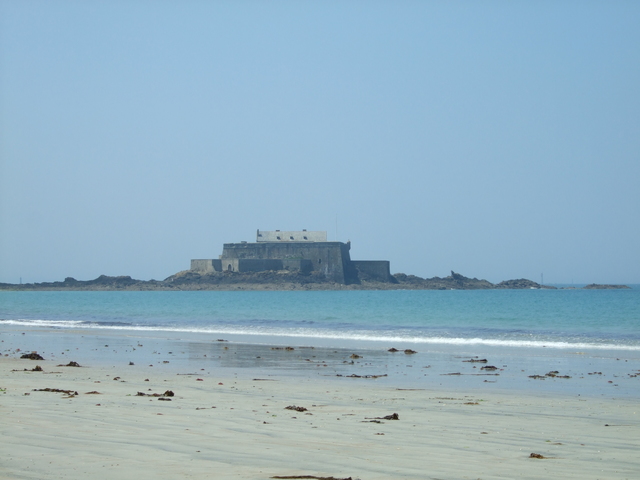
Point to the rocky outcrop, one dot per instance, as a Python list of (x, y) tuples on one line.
[(521, 283), (267, 277), (597, 286), (455, 281), (281, 280), (103, 282)]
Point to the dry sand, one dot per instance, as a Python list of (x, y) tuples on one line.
[(238, 427)]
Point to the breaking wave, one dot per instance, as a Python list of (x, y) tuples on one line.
[(398, 336)]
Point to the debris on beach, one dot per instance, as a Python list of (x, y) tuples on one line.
[(355, 355), (489, 367), (393, 416), (552, 374), (353, 375), (37, 368), (296, 408), (408, 351), (310, 476), (70, 364), (537, 455), (93, 393), (168, 393), (71, 393), (283, 348), (32, 356), (476, 360)]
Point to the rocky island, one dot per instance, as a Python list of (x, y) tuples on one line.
[(287, 260), (598, 286), (281, 280)]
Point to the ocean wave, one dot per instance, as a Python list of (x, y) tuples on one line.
[(306, 333), (45, 323)]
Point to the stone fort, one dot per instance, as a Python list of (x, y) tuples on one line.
[(295, 251)]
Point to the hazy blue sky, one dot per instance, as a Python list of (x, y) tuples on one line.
[(500, 139)]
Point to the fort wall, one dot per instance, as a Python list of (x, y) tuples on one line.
[(303, 251), (290, 236), (206, 265), (202, 265), (331, 259), (373, 270)]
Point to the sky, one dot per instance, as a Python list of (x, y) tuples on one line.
[(498, 139)]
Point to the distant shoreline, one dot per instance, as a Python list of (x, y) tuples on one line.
[(283, 281)]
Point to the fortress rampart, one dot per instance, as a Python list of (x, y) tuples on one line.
[(290, 236), (301, 251)]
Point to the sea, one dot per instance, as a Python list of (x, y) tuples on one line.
[(589, 338)]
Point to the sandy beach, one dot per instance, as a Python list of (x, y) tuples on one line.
[(160, 420)]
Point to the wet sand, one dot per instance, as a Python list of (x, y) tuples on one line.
[(232, 422)]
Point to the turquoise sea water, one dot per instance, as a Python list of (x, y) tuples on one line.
[(590, 335), (585, 319)]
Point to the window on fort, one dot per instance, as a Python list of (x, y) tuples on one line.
[(278, 238), (305, 238), (319, 260), (290, 238), (229, 268)]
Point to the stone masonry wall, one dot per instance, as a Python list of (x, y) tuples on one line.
[(329, 258)]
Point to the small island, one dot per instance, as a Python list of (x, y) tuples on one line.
[(288, 260), (597, 286)]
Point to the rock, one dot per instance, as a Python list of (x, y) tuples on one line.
[(70, 364), (596, 286), (32, 356), (296, 408), (521, 284)]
